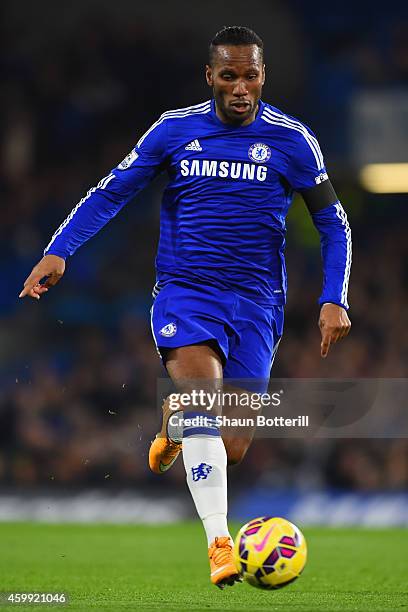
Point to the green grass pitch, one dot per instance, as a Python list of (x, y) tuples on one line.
[(126, 567)]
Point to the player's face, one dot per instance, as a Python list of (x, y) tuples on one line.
[(236, 75)]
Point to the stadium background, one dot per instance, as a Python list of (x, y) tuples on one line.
[(81, 82)]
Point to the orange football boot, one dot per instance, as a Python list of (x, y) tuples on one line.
[(163, 451), (222, 566)]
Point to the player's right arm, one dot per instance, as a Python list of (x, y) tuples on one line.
[(100, 204)]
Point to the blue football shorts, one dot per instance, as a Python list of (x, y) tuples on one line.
[(247, 334)]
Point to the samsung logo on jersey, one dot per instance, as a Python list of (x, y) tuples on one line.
[(223, 169)]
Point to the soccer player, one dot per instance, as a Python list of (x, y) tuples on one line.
[(233, 164)]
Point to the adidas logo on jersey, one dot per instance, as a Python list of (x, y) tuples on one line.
[(323, 176), (194, 145)]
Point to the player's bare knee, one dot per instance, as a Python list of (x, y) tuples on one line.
[(236, 450)]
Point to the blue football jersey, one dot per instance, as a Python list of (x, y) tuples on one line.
[(224, 208)]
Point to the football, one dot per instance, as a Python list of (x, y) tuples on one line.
[(270, 552)]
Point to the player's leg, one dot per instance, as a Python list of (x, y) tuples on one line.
[(199, 368), (188, 326)]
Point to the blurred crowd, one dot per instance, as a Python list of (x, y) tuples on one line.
[(78, 402)]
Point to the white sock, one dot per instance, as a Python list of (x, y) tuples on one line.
[(205, 462), (215, 526)]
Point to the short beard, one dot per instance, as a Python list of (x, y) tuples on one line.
[(233, 119)]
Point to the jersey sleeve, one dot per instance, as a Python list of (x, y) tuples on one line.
[(335, 239), (306, 166), (306, 173), (104, 201)]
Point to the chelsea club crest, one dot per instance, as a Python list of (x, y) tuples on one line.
[(168, 330), (259, 152)]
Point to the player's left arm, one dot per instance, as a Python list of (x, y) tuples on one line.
[(330, 219), (307, 174)]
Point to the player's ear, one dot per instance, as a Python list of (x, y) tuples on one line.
[(209, 75), (263, 74)]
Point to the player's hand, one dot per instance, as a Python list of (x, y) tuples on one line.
[(51, 268), (334, 325)]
